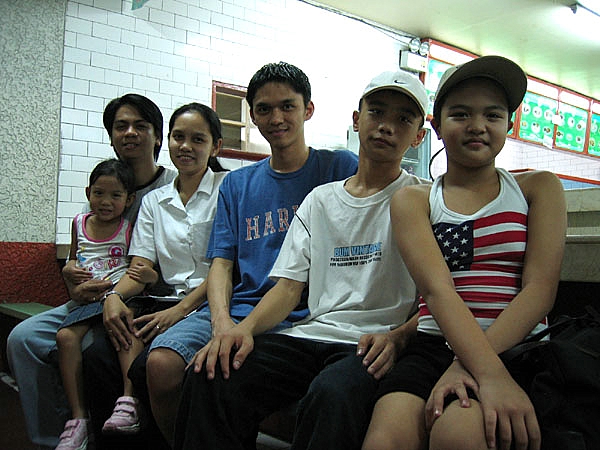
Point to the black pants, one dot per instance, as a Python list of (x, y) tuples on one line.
[(335, 392)]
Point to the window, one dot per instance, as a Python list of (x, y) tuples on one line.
[(241, 138), (549, 115)]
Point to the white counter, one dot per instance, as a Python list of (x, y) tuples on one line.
[(581, 261)]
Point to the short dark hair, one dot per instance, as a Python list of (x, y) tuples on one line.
[(214, 123), (280, 72), (144, 106), (114, 168)]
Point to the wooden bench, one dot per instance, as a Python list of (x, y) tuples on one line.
[(22, 311), (577, 288), (280, 425)]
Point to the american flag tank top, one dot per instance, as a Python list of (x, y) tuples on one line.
[(484, 251)]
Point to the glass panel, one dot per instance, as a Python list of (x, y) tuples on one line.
[(229, 107), (512, 119), (571, 134), (537, 113), (435, 70), (232, 137), (594, 145)]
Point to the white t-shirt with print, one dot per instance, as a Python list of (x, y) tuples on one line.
[(343, 247)]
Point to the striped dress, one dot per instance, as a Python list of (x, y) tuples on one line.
[(484, 251)]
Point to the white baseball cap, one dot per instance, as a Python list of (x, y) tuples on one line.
[(400, 81)]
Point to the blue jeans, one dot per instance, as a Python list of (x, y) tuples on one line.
[(334, 389), (30, 347)]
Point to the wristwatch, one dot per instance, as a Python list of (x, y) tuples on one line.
[(103, 299)]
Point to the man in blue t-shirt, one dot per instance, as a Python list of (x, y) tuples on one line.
[(255, 208)]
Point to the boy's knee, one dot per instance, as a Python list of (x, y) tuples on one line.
[(340, 390), (328, 391)]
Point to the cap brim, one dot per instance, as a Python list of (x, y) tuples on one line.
[(401, 90), (503, 71)]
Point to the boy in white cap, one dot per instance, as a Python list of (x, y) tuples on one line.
[(360, 297), (485, 249)]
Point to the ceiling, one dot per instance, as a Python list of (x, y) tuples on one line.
[(544, 37)]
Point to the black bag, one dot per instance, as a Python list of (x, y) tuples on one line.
[(561, 375)]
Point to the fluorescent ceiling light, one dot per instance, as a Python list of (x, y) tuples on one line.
[(592, 6), (542, 88), (448, 55), (574, 100)]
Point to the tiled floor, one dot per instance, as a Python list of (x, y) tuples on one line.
[(14, 437), (265, 442)]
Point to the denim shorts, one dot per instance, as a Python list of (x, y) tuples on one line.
[(139, 304), (187, 336)]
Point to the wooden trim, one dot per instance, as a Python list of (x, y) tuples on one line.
[(562, 177), (243, 155)]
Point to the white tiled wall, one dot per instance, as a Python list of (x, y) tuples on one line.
[(172, 50), (521, 155)]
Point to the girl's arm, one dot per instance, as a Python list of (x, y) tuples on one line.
[(72, 274), (505, 406), (547, 225), (143, 274), (412, 231), (541, 272)]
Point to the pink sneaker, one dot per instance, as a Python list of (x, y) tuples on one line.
[(124, 419), (75, 436)]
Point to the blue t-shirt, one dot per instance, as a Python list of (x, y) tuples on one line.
[(254, 211)]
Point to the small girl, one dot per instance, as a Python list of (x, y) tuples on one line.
[(99, 244), (484, 248)]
